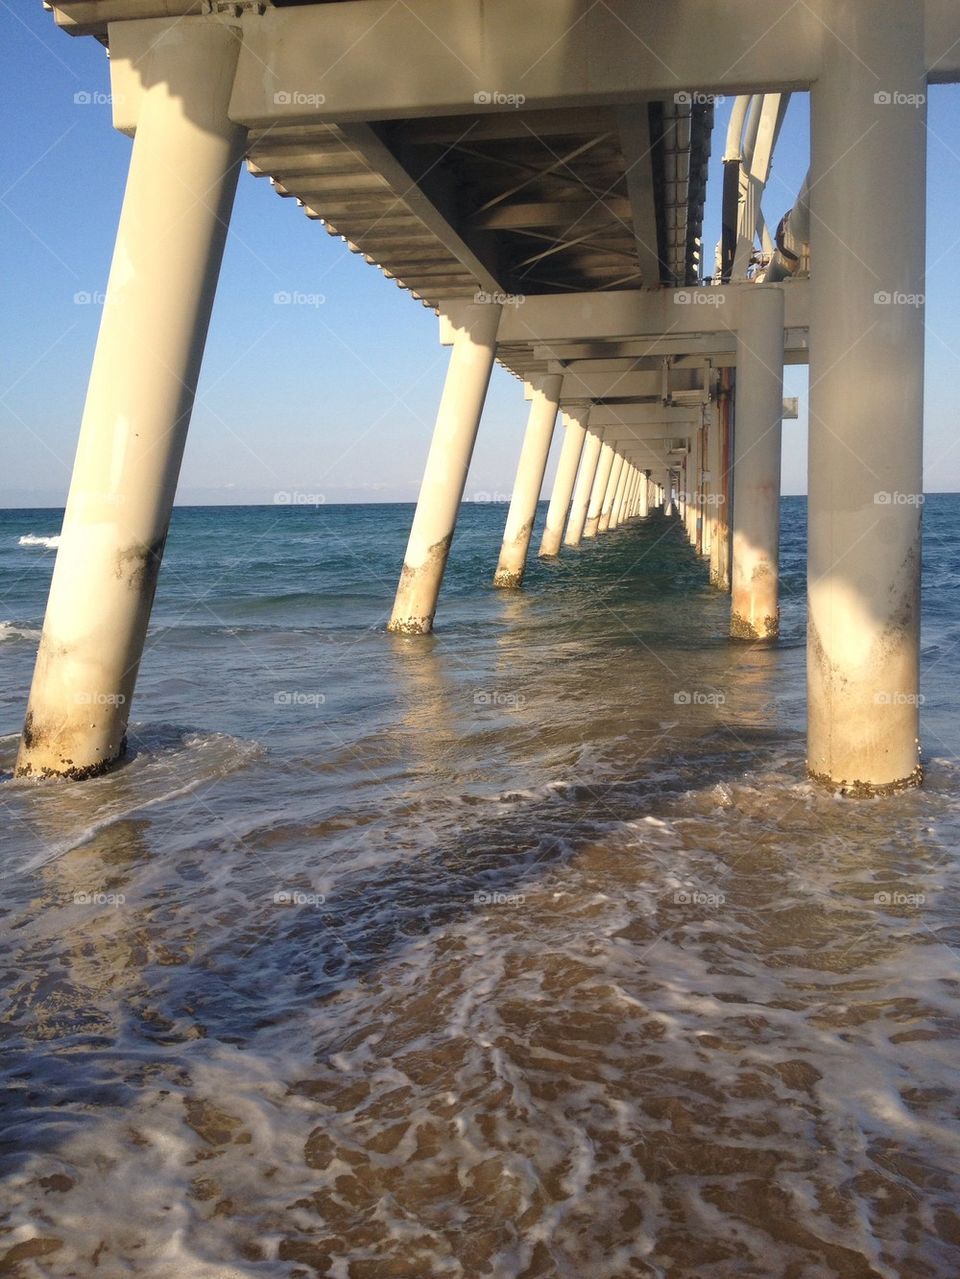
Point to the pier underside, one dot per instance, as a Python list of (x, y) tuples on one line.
[(537, 176)]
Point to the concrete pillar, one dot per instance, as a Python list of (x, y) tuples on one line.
[(634, 493), (598, 492), (575, 430), (755, 575), (666, 501), (613, 483), (868, 200), (173, 225), (617, 509), (720, 548), (529, 480), (643, 496), (584, 486), (445, 473), (711, 504), (690, 485)]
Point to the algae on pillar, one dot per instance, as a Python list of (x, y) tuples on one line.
[(170, 238), (448, 461)]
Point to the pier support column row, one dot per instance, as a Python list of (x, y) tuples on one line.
[(598, 490), (617, 509), (632, 492), (643, 495), (583, 489), (868, 200), (575, 430), (545, 398), (609, 497), (173, 225), (755, 601), (445, 473)]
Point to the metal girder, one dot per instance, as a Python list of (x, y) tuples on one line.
[(580, 215)]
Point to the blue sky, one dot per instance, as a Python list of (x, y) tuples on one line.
[(337, 398)]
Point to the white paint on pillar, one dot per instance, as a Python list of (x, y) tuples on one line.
[(445, 473), (868, 199), (758, 413), (170, 238), (584, 485), (575, 430), (545, 395)]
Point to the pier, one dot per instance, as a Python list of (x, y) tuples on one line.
[(536, 175)]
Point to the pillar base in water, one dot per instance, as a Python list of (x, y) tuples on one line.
[(868, 790), (509, 580), (743, 629), (32, 743)]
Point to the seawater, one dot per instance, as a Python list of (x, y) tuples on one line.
[(521, 950)]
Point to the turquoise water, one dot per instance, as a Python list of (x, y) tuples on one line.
[(476, 954)]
